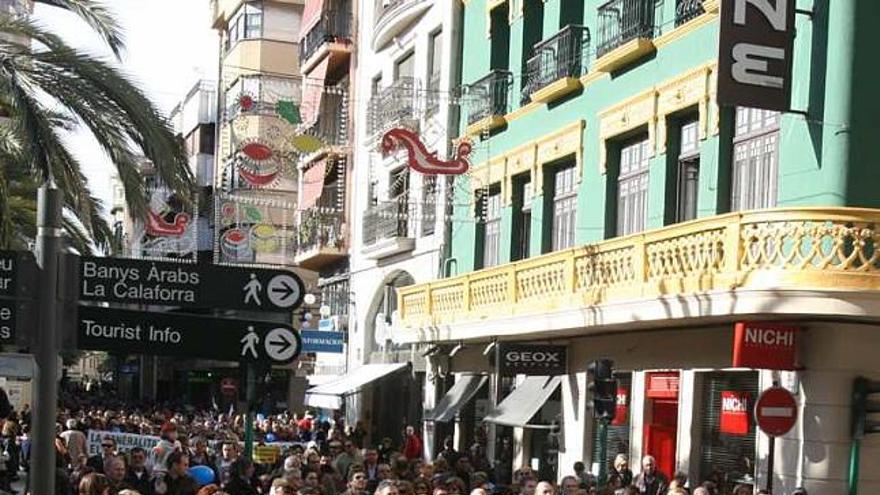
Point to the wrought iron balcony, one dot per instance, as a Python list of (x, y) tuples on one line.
[(796, 249), (686, 10), (392, 105), (330, 126), (489, 96), (334, 27), (621, 21), (563, 55), (387, 220)]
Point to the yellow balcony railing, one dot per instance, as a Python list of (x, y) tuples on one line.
[(819, 248)]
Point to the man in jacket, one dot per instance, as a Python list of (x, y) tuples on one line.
[(650, 481), (138, 476)]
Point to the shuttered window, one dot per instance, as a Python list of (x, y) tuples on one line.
[(755, 159), (731, 456), (632, 187), (618, 434)]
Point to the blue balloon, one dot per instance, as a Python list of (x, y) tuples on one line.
[(270, 437), (203, 475)]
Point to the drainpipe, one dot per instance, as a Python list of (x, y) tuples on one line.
[(840, 56)]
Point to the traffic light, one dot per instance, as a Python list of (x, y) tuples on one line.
[(866, 407), (603, 386)]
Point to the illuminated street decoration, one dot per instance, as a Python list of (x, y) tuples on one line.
[(420, 159), (252, 230), (169, 228)]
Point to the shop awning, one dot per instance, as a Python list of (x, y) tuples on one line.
[(310, 17), (313, 184), (329, 395), (465, 388), (526, 399)]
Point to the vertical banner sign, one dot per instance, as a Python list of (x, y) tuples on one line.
[(621, 413), (734, 412), (755, 52), (770, 346)]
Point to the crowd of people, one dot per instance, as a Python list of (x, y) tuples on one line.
[(201, 453)]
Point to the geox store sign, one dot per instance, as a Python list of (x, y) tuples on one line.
[(755, 53), (528, 359)]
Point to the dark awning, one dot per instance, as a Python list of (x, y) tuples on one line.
[(465, 388), (526, 399)]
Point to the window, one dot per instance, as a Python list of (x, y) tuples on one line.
[(564, 207), (492, 228), (246, 23), (522, 220), (429, 204), (755, 159), (376, 85), (618, 430), (499, 29), (688, 171), (435, 61), (731, 452), (632, 187), (404, 68)]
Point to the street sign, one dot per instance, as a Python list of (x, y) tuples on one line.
[(170, 334), (163, 283), (776, 411), (17, 273), (323, 341)]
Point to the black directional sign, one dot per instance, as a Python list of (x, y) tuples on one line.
[(121, 280), (17, 274), (169, 334)]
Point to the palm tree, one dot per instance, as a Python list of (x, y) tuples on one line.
[(46, 88)]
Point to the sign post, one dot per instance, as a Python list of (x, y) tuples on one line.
[(776, 413)]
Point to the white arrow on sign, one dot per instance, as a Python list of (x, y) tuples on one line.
[(283, 291), (281, 344)]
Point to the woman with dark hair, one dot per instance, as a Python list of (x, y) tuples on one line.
[(241, 478), (94, 484)]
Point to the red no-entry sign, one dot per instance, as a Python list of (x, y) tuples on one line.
[(776, 411)]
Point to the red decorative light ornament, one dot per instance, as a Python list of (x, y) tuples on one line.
[(420, 159)]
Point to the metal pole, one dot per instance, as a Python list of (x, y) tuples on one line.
[(45, 342), (603, 453), (854, 456), (770, 455), (250, 395)]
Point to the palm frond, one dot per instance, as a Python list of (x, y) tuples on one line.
[(96, 15)]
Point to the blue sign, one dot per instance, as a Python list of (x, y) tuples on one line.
[(317, 341), (325, 325)]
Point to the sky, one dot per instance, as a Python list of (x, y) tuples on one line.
[(169, 46)]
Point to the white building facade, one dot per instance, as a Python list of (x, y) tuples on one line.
[(403, 80)]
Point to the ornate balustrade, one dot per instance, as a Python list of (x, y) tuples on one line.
[(795, 248)]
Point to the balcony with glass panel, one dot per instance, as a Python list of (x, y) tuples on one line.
[(387, 230), (394, 106), (330, 37)]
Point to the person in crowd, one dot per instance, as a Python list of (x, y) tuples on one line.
[(456, 486), (175, 478), (584, 476), (94, 484), (679, 480), (528, 485), (701, 490), (421, 487), (138, 475), (74, 440), (357, 483), (401, 468), (228, 455), (200, 456), (650, 481), (114, 469), (281, 486), (241, 481), (168, 443), (569, 485), (412, 447), (545, 488), (108, 450), (386, 450), (799, 491), (620, 467), (371, 468), (347, 457), (449, 453)]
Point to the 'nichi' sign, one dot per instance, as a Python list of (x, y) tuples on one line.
[(734, 418), (771, 346), (755, 52)]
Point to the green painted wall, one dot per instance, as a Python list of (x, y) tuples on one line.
[(826, 158)]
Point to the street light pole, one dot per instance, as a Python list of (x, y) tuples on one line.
[(45, 343)]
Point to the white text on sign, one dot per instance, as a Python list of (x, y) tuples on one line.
[(134, 333), (128, 282)]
